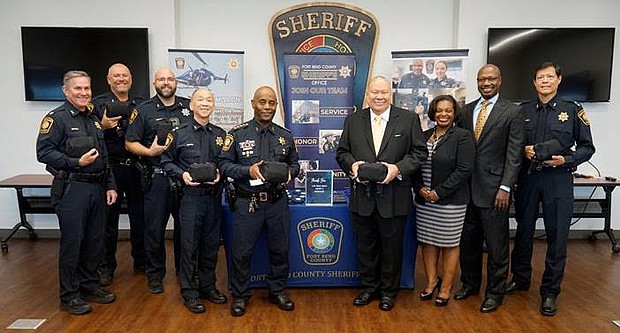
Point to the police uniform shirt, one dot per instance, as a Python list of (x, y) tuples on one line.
[(242, 148), (412, 81), (115, 137), (66, 122), (143, 120), (446, 82), (193, 143), (564, 121)]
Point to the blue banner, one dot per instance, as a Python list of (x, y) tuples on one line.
[(318, 96)]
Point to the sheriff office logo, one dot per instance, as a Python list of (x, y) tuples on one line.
[(325, 27), (320, 239)]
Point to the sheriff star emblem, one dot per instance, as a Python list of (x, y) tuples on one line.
[(219, 141), (563, 116)]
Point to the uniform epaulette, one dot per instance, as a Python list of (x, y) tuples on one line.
[(579, 106), (282, 127), (240, 126), (101, 97), (526, 102)]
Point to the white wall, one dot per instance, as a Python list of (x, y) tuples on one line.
[(243, 25)]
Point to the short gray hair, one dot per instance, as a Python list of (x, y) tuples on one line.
[(73, 74)]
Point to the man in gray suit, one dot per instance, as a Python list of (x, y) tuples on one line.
[(498, 131), (392, 136)]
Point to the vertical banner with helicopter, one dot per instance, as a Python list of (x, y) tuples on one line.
[(220, 71)]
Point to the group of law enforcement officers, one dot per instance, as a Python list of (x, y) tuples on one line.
[(151, 152), (173, 148)]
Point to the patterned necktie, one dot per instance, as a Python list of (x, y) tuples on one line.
[(482, 118), (377, 133)]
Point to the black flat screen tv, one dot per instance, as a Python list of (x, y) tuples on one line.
[(584, 55), (49, 52)]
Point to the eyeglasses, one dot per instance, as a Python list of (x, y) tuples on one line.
[(120, 75), (548, 77), (484, 79), (165, 79)]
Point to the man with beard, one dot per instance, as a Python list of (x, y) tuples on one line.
[(123, 166), (149, 134)]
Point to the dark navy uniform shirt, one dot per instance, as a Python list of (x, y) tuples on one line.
[(143, 120), (115, 137), (66, 122), (564, 121), (242, 148), (192, 143), (411, 80), (446, 82)]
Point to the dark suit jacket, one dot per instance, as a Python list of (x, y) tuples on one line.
[(499, 150), (403, 145), (451, 165)]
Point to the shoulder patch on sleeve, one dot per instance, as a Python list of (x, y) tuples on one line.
[(583, 117), (228, 142), (169, 139), (133, 115), (46, 125)]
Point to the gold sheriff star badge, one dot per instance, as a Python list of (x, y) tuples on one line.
[(563, 117)]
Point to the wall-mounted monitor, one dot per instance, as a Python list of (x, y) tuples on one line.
[(49, 52), (584, 55)]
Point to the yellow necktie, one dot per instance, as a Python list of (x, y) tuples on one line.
[(482, 118), (377, 133)]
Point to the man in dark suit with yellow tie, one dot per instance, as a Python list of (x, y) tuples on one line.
[(498, 131), (392, 136)]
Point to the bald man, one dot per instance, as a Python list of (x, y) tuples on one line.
[(162, 112), (123, 166), (263, 204)]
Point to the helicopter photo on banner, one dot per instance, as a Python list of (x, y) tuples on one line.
[(220, 71)]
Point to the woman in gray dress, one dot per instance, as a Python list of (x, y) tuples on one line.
[(442, 194)]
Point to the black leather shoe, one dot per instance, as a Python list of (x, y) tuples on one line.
[(105, 278), (76, 306), (364, 298), (464, 293), (237, 307), (490, 305), (155, 286), (426, 296), (100, 296), (214, 296), (548, 306), (194, 305), (387, 303), (512, 287), (283, 301)]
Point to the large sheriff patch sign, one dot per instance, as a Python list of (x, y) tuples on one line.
[(324, 27)]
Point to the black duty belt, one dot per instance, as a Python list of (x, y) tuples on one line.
[(87, 177), (265, 196)]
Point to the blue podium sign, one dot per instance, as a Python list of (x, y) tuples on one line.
[(322, 249)]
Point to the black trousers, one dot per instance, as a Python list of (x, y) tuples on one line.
[(379, 243), (554, 188), (491, 226), (81, 216), (127, 187), (157, 209), (200, 215), (275, 219)]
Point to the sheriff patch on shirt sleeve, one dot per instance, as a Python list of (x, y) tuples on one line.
[(46, 125), (584, 119)]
